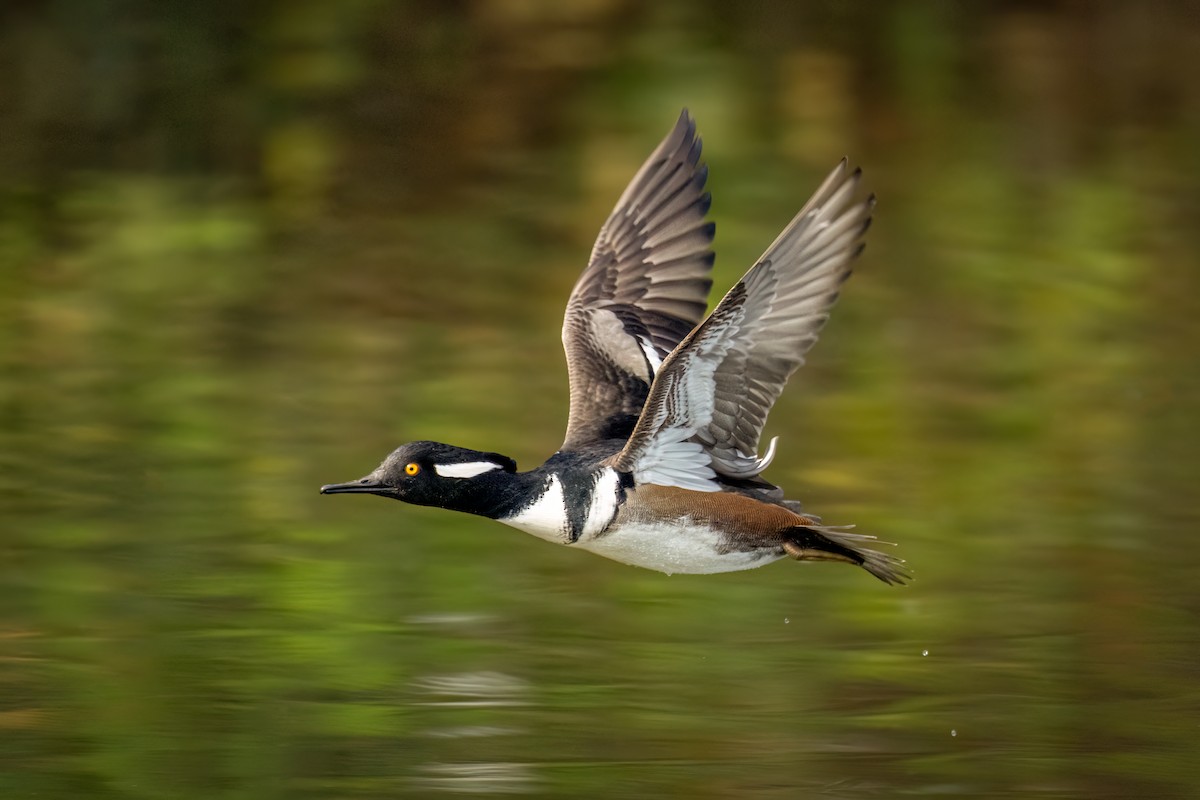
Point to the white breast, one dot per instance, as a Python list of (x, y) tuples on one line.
[(545, 517), (673, 547), (603, 507)]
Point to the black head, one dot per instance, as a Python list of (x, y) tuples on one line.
[(428, 474)]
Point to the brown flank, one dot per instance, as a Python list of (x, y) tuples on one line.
[(750, 525)]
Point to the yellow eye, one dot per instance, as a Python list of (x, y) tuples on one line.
[(412, 469)]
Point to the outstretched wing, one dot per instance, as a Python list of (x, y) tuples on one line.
[(710, 399), (645, 287)]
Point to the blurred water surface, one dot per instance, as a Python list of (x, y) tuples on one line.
[(245, 250)]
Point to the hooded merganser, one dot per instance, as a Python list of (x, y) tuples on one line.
[(659, 467)]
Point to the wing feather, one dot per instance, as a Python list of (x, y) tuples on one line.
[(716, 389), (645, 287)]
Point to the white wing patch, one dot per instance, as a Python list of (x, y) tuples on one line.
[(604, 503), (467, 470), (651, 352), (670, 460), (545, 517)]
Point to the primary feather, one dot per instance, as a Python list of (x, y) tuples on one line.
[(717, 387), (645, 287)]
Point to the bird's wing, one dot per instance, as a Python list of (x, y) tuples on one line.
[(711, 397), (645, 287)]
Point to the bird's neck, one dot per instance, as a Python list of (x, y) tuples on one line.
[(493, 494)]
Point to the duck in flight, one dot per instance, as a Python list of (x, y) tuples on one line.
[(660, 466)]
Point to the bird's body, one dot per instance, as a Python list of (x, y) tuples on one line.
[(659, 468)]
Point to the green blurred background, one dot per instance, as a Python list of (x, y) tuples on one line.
[(247, 248)]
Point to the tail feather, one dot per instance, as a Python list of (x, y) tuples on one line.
[(837, 543)]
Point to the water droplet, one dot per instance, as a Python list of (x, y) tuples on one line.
[(953, 732), (924, 652), (786, 621)]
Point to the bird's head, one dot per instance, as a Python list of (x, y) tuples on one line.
[(427, 474)]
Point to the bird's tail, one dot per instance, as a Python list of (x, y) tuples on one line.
[(837, 543)]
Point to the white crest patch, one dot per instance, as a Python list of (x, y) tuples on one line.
[(546, 517), (468, 470), (604, 503)]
